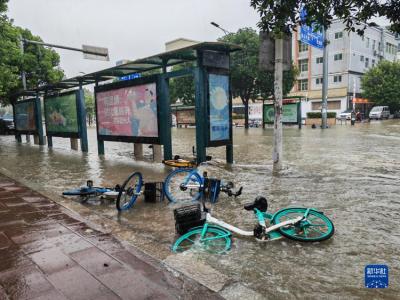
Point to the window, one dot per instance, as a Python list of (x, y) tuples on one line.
[(367, 42), (320, 60), (338, 35), (367, 62), (363, 38), (303, 65), (373, 44), (338, 56), (319, 80), (379, 46), (373, 63), (302, 47), (391, 49), (302, 84), (337, 78), (362, 58)]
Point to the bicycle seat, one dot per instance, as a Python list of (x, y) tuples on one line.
[(260, 203)]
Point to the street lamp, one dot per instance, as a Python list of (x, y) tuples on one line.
[(223, 29)]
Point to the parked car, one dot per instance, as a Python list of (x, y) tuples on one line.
[(379, 112), (6, 124), (346, 114)]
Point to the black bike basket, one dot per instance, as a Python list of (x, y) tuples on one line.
[(153, 192), (187, 217)]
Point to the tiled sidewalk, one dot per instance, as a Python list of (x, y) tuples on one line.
[(46, 253)]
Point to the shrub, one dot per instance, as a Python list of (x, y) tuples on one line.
[(318, 115)]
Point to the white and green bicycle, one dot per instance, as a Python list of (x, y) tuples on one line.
[(300, 224)]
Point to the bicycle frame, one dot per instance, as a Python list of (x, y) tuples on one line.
[(261, 221)]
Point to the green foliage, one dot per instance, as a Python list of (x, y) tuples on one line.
[(284, 16), (318, 115), (90, 106), (39, 63), (381, 84), (3, 6), (182, 88)]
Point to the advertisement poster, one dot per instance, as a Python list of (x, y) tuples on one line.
[(130, 111), (25, 116), (186, 117), (289, 113), (61, 114), (219, 107), (255, 111)]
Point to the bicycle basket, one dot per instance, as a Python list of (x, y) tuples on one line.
[(153, 192), (187, 217)]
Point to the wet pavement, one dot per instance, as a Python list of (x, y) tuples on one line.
[(351, 173), (48, 252)]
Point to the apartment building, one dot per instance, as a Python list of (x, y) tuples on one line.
[(350, 56)]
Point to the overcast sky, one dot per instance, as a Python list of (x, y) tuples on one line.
[(130, 29)]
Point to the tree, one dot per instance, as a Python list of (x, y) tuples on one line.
[(284, 16), (248, 81), (89, 104), (182, 88), (40, 64), (279, 17), (381, 84)]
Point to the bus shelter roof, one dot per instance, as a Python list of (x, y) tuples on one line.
[(165, 59)]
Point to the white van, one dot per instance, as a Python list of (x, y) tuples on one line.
[(379, 112)]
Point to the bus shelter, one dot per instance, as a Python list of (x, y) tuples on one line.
[(138, 110)]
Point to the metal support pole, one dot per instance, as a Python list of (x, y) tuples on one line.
[(100, 143), (263, 117), (200, 109), (277, 141), (38, 119), (299, 113), (165, 114), (82, 119), (49, 141), (325, 82), (229, 154)]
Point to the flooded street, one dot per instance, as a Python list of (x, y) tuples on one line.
[(352, 174)]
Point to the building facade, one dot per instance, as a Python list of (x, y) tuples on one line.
[(349, 57)]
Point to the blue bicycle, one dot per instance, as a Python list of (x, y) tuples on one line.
[(89, 191), (186, 184), (129, 191)]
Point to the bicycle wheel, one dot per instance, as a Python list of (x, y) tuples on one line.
[(129, 191), (314, 228), (183, 185), (216, 240)]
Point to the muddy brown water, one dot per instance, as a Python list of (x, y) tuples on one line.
[(352, 174)]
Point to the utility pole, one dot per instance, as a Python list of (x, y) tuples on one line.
[(23, 76), (278, 74), (354, 93), (325, 80)]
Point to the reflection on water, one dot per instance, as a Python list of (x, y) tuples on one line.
[(350, 173)]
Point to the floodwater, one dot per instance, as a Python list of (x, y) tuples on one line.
[(352, 174)]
